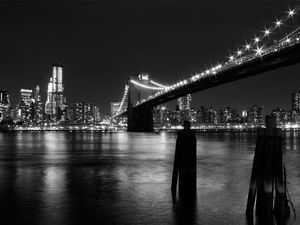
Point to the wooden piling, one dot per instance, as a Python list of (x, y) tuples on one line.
[(267, 180), (254, 174), (175, 171), (281, 208), (184, 168)]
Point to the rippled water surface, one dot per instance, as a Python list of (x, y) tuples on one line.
[(125, 178)]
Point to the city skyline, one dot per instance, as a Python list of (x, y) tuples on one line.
[(105, 55), (146, 112), (55, 93), (171, 105)]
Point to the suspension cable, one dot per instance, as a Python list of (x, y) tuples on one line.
[(146, 86), (123, 99)]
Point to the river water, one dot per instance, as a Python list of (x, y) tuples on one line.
[(125, 178)]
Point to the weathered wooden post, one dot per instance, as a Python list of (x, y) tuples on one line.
[(185, 167), (267, 180)]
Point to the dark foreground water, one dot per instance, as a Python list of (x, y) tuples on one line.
[(124, 178)]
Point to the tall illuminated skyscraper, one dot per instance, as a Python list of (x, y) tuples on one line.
[(25, 107), (4, 104), (56, 101), (38, 106), (114, 107), (296, 101), (184, 104)]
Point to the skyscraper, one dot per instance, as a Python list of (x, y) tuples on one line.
[(38, 106), (114, 107), (255, 115), (26, 107), (228, 115), (282, 116), (4, 104), (86, 113), (184, 104), (56, 101), (296, 101), (4, 97), (211, 116)]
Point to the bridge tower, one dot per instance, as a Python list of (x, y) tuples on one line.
[(140, 119)]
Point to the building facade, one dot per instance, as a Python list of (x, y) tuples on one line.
[(86, 113), (56, 102), (38, 106), (26, 106), (184, 106), (114, 107), (228, 115), (4, 104), (296, 101), (255, 115)]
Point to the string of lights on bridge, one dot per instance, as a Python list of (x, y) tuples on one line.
[(155, 88), (123, 99), (250, 51)]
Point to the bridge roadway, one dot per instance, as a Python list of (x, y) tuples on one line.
[(283, 57)]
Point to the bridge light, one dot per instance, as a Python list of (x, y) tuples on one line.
[(231, 58), (288, 40), (256, 39), (259, 51), (247, 46), (278, 23), (219, 66), (291, 12), (267, 32), (239, 52)]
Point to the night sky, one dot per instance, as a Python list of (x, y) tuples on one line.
[(102, 43)]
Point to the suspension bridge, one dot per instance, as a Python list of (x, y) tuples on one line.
[(277, 46)]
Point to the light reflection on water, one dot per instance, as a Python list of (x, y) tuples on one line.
[(124, 178)]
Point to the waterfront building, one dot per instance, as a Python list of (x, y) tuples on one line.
[(244, 117), (78, 112), (173, 117), (228, 115), (56, 101), (114, 107), (26, 106), (193, 115), (255, 115), (91, 113), (86, 113), (14, 114), (184, 105), (163, 117), (202, 115), (4, 104), (184, 102), (4, 97), (282, 116), (38, 106), (296, 101), (158, 114), (211, 116), (295, 116), (199, 116)]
